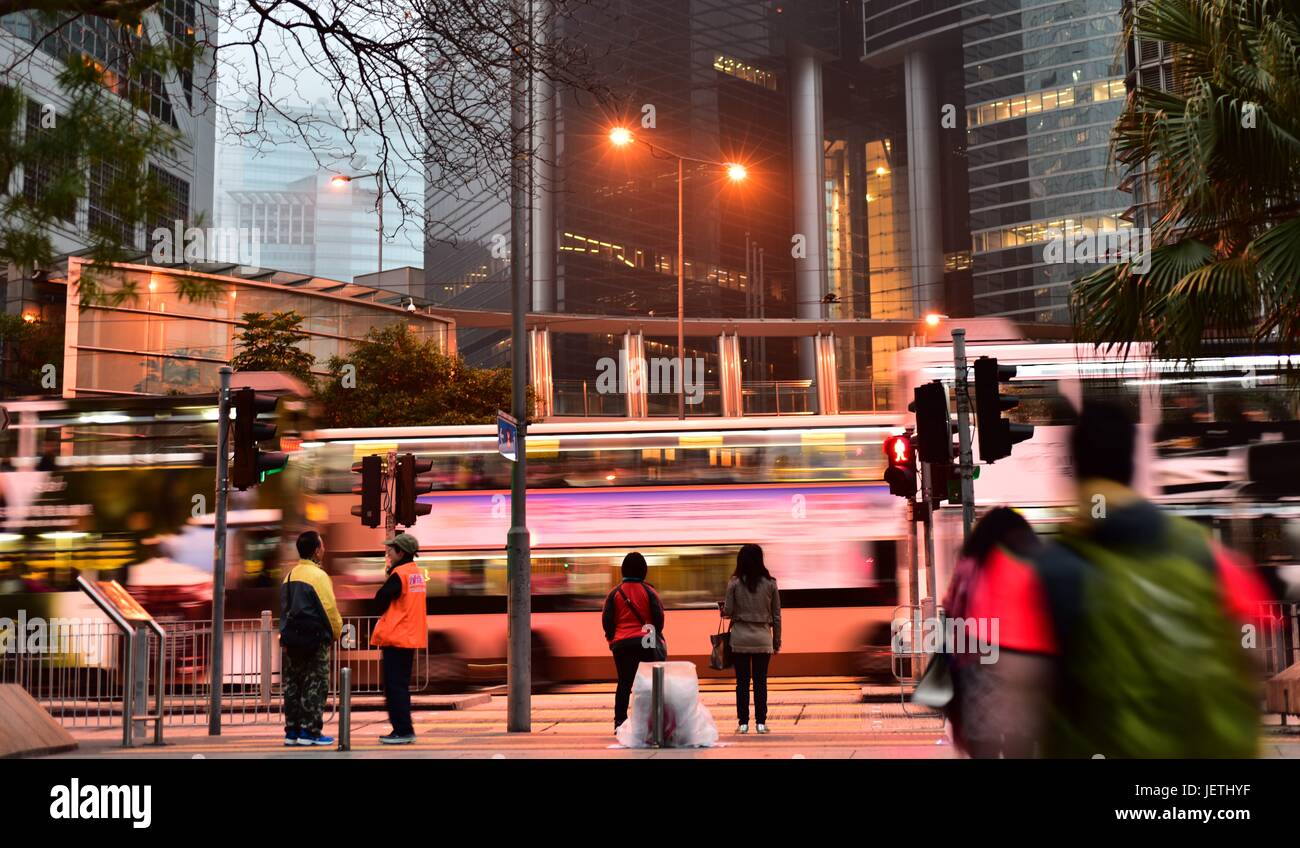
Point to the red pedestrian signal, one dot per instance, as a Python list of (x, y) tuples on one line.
[(900, 453)]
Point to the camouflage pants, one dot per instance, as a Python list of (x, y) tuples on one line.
[(306, 678)]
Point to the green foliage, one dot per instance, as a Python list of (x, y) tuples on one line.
[(27, 348), (1222, 158), (270, 342), (400, 380), (105, 129)]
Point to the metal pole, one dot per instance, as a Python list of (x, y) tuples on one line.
[(966, 461), (128, 688), (927, 477), (345, 709), (657, 702), (379, 206), (219, 553), (681, 297), (266, 658), (519, 610), (390, 495)]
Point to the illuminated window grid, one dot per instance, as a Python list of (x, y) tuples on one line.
[(1044, 101), (748, 73), (1037, 232)]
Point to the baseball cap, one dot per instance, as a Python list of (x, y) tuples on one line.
[(404, 542)]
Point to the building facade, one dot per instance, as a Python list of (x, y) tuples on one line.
[(156, 342), (281, 188), (183, 103), (1023, 94)]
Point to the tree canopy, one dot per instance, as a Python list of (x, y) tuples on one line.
[(1220, 153), (393, 378), (272, 342)]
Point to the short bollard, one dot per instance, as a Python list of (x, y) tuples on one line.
[(657, 703), (345, 709)]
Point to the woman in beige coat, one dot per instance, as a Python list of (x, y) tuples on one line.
[(754, 607)]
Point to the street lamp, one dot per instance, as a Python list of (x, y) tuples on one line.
[(340, 180), (736, 172)]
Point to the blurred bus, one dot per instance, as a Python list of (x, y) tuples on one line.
[(686, 494)]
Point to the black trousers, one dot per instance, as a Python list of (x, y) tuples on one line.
[(397, 688), (628, 656), (748, 665)]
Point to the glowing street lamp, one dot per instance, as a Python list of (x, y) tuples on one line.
[(340, 180), (736, 173)]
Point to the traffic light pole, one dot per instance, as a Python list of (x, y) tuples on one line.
[(966, 461), (219, 554), (927, 477), (390, 495)]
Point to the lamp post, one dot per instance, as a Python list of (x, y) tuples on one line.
[(736, 172), (343, 179)]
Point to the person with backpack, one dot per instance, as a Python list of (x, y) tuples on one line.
[(988, 584), (633, 620), (1146, 620), (309, 623), (754, 606)]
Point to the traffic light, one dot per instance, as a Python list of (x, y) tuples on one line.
[(371, 469), (409, 486), (933, 423), (901, 473), (251, 464), (997, 434)]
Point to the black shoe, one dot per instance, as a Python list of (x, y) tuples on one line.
[(398, 739)]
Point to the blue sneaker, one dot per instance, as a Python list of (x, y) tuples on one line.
[(290, 738), (318, 739)]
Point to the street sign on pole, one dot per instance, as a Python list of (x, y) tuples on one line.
[(507, 436)]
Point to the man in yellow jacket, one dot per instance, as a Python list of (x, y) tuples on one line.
[(309, 624), (402, 628)]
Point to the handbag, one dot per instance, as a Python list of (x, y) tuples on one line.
[(660, 644), (935, 688), (720, 656)]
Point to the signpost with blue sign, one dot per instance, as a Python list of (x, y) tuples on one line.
[(507, 436)]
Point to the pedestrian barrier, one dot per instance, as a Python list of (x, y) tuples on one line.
[(1276, 637), (79, 670)]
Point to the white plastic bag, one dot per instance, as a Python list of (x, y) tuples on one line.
[(687, 723)]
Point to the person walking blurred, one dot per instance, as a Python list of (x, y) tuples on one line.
[(754, 606), (991, 598), (1147, 615), (633, 620), (402, 628), (309, 623)]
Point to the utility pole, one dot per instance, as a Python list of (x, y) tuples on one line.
[(966, 461), (390, 495), (219, 554), (518, 563)]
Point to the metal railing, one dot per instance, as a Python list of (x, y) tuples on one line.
[(1277, 637), (779, 397), (80, 673)]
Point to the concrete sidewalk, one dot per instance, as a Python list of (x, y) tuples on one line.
[(832, 722)]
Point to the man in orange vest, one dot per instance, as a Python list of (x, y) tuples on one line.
[(401, 629)]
